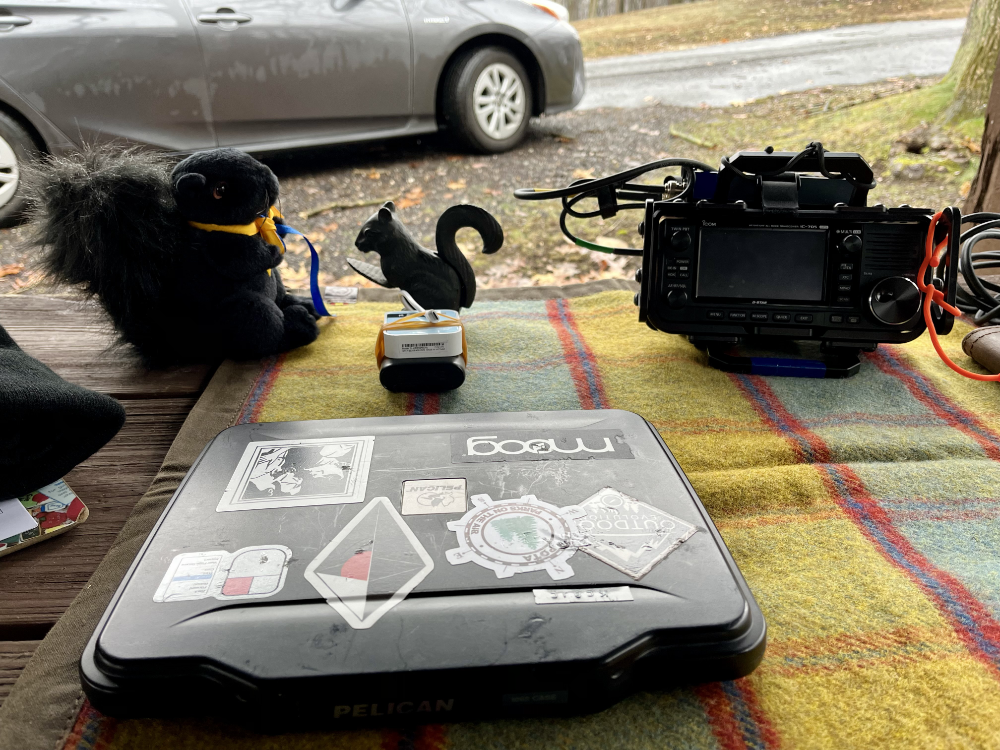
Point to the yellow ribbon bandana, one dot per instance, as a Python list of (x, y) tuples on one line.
[(262, 225)]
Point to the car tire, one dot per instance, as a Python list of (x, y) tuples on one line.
[(487, 100), (16, 148)]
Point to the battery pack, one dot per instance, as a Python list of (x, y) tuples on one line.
[(421, 352), (437, 568)]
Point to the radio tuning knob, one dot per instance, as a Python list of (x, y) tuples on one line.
[(642, 228), (677, 298), (894, 300), (851, 244), (680, 241), (635, 299), (638, 274)]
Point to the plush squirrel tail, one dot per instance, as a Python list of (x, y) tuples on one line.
[(106, 219), (458, 217)]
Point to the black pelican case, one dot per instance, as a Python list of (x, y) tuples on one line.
[(437, 568)]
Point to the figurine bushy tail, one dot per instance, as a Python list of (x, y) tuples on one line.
[(106, 220), (459, 217)]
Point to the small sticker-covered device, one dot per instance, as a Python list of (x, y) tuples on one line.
[(421, 351), (430, 569)]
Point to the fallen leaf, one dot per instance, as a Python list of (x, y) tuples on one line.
[(963, 192), (564, 139), (411, 198), (11, 270), (373, 175), (480, 165), (491, 191), (456, 185), (331, 227), (448, 196), (454, 157), (583, 174)]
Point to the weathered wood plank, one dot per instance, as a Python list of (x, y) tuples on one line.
[(37, 584), (75, 340), (13, 656)]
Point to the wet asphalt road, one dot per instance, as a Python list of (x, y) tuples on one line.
[(723, 73)]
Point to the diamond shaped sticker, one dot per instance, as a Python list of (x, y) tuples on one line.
[(370, 566)]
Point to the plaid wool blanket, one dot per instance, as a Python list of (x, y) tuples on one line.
[(864, 513)]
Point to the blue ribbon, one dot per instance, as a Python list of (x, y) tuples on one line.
[(317, 297)]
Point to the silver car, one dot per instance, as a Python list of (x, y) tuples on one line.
[(265, 75)]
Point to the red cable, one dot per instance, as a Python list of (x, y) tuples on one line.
[(932, 258)]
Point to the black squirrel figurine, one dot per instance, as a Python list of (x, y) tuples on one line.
[(121, 224), (441, 280)]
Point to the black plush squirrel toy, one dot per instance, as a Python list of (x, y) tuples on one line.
[(441, 280), (184, 262)]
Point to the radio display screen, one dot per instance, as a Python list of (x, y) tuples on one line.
[(767, 264)]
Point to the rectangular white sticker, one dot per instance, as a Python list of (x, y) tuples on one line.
[(424, 496), (295, 473), (248, 573), (574, 596)]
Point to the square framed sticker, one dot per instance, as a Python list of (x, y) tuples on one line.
[(426, 496), (296, 473)]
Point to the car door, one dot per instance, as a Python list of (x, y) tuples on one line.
[(292, 72), (107, 69)]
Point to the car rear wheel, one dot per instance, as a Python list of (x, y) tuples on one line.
[(16, 148), (487, 100)]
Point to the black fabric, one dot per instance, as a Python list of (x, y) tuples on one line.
[(47, 425)]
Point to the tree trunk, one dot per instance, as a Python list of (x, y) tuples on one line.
[(975, 61), (984, 195), (592, 11)]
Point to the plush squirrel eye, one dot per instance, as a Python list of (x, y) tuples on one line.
[(219, 191)]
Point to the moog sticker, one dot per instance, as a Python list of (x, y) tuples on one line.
[(630, 535), (540, 445), (370, 566), (248, 573), (517, 536), (294, 473)]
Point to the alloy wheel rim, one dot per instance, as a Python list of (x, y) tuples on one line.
[(498, 101), (10, 175)]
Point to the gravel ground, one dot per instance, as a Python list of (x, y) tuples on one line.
[(424, 176)]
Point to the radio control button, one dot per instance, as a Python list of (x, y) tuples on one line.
[(737, 316), (758, 316), (716, 315), (680, 241), (846, 277), (803, 318), (851, 244), (684, 275), (846, 266), (844, 288), (836, 318), (677, 298), (781, 317), (853, 319), (843, 300)]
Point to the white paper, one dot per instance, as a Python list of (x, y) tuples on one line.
[(14, 519), (296, 473)]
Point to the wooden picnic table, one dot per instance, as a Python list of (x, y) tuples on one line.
[(71, 337)]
